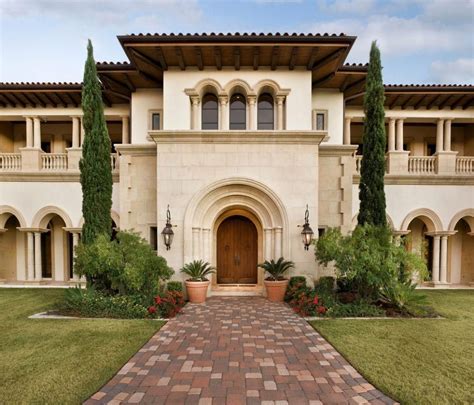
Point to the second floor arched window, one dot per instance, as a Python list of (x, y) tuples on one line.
[(238, 112), (266, 115), (210, 112)]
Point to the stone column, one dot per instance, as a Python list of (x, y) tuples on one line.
[(29, 132), (279, 100), (439, 135), (195, 112), (347, 130), (223, 114), (268, 243), (206, 237), (196, 243), (443, 276), (38, 262), (435, 272), (447, 135), (82, 131), (125, 129), (76, 128), (391, 134), (400, 134), (37, 133), (75, 241), (277, 239), (251, 100), (30, 257)]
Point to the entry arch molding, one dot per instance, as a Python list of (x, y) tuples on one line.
[(211, 202)]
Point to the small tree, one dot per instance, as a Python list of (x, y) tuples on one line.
[(96, 171), (372, 172)]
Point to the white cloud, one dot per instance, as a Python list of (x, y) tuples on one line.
[(346, 6), (125, 12), (461, 70)]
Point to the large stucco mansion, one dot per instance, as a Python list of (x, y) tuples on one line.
[(237, 134)]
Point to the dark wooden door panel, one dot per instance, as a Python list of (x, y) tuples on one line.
[(237, 243)]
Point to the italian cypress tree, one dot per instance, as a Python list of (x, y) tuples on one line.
[(372, 172), (96, 171)]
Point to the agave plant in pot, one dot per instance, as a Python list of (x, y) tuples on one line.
[(197, 283), (276, 283)]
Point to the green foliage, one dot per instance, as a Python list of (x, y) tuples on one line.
[(198, 270), (94, 304), (368, 259), (325, 286), (296, 285), (372, 172), (168, 304), (402, 295), (96, 171), (174, 286), (360, 308), (277, 269), (125, 266)]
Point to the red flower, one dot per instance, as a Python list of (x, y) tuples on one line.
[(151, 310), (321, 310), (158, 300), (316, 300)]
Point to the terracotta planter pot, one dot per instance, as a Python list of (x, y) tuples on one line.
[(276, 290), (197, 291)]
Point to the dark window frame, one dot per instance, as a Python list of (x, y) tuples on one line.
[(236, 109), (210, 112), (262, 123)]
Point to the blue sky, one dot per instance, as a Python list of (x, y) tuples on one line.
[(422, 41)]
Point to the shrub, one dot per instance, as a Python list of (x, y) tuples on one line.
[(169, 304), (96, 304), (277, 269), (359, 308), (125, 266), (325, 285), (174, 286), (402, 295), (198, 270), (367, 259), (296, 285)]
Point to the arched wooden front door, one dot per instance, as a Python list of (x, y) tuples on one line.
[(237, 251)]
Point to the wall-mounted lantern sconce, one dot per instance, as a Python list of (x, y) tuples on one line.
[(167, 231), (307, 233)]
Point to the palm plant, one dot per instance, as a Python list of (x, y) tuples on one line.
[(198, 270), (277, 269)]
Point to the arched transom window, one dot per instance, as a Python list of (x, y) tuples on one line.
[(238, 113), (266, 116), (210, 112)]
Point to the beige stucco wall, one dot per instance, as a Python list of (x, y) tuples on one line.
[(177, 106), (331, 101), (143, 101)]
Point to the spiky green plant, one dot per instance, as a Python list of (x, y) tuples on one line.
[(198, 270), (372, 172), (96, 171), (277, 269)]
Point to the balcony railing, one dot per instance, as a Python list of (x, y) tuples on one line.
[(465, 165), (422, 164), (358, 163), (10, 162), (54, 161), (114, 161)]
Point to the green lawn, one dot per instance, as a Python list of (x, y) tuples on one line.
[(59, 361), (414, 361)]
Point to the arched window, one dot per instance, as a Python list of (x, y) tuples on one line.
[(238, 119), (265, 112), (210, 113)]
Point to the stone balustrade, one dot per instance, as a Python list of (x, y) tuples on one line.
[(54, 161), (465, 165), (422, 165), (10, 162)]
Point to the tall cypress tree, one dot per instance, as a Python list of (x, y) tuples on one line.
[(372, 172), (96, 171)]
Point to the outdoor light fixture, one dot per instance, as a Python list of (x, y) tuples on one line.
[(307, 233), (167, 231)]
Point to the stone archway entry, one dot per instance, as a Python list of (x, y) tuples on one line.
[(237, 251)]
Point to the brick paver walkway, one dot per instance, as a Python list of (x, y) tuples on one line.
[(238, 350)]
